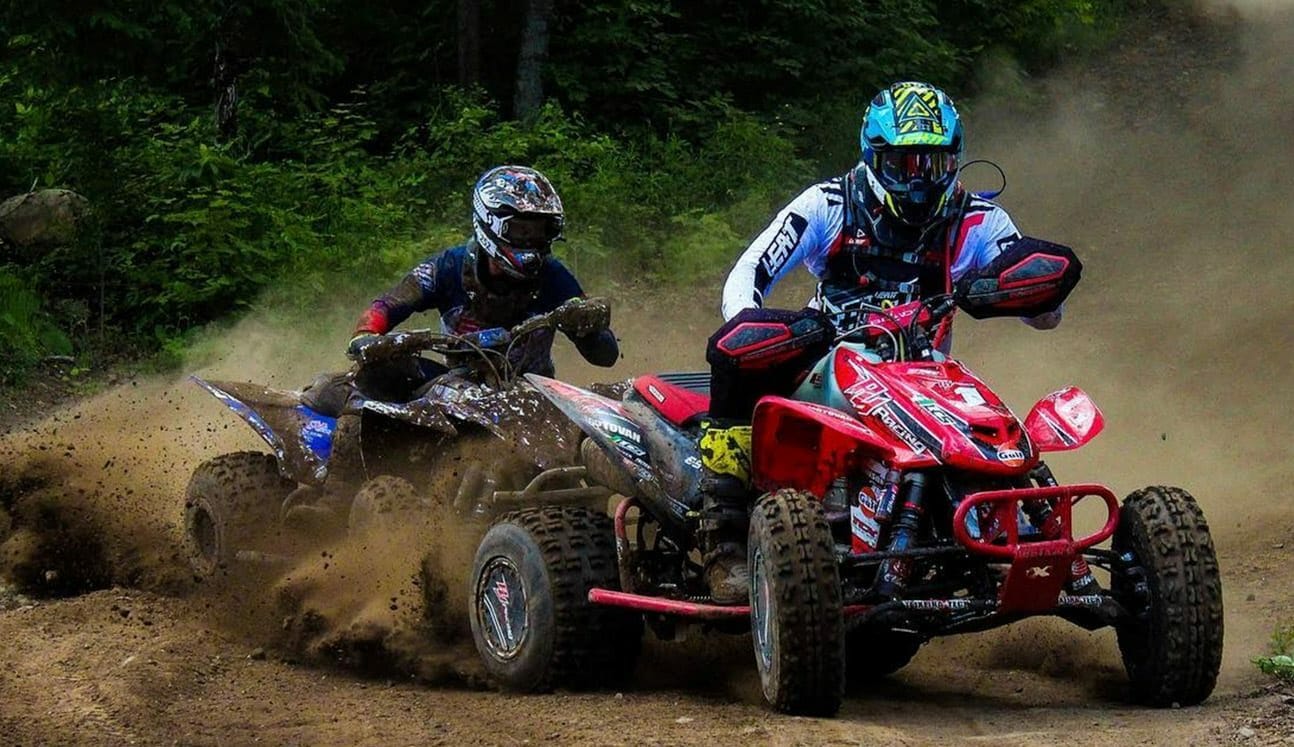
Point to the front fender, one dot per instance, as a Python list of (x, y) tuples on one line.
[(803, 445)]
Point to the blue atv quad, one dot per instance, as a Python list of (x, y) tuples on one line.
[(475, 440)]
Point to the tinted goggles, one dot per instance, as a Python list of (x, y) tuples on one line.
[(901, 168)]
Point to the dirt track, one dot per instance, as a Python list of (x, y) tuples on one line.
[(1179, 205)]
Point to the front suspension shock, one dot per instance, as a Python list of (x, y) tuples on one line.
[(894, 572)]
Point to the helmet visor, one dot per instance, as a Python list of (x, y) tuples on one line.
[(900, 170), (530, 231)]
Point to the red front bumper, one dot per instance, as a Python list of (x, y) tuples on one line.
[(1039, 568)]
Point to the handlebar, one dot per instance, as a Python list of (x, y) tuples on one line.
[(491, 347), (905, 326)]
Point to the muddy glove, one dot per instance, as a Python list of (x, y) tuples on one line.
[(358, 343), (583, 318)]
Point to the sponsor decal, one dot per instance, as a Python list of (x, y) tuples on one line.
[(634, 452), (863, 517), (970, 395), (1038, 571), (833, 414), (618, 431), (871, 397), (940, 414), (655, 393), (891, 421), (1010, 457), (868, 392), (896, 571), (779, 252), (937, 605)]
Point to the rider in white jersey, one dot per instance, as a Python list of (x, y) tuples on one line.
[(812, 231), (896, 228)]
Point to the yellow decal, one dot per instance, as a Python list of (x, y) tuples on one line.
[(726, 451), (916, 110)]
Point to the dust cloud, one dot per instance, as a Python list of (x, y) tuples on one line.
[(1167, 167), (1165, 164)]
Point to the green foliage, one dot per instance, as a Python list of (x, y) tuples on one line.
[(673, 130), (26, 332), (1281, 663)]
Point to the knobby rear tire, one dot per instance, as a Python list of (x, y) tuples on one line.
[(557, 554), (231, 504)]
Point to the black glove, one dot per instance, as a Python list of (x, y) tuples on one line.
[(355, 350), (584, 318)]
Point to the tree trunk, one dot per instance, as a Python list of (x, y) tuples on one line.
[(228, 65), (469, 42), (531, 58)]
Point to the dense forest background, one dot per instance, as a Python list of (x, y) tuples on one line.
[(228, 147)]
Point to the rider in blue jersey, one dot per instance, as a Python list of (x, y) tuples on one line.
[(504, 275), (500, 277)]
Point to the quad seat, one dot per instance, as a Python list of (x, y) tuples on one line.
[(680, 398)]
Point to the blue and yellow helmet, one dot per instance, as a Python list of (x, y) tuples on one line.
[(912, 149)]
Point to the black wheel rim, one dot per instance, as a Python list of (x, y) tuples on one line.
[(501, 608), (761, 625)]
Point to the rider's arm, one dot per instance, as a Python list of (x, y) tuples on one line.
[(415, 292), (598, 347), (985, 230), (800, 230)]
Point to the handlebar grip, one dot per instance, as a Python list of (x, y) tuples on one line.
[(943, 308)]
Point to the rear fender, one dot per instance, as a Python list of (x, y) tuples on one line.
[(805, 446), (615, 429), (1064, 420), (300, 438), (605, 421)]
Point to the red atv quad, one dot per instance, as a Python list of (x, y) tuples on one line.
[(900, 500)]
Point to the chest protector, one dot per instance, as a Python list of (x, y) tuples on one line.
[(864, 271)]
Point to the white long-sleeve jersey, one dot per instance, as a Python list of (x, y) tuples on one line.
[(810, 231)]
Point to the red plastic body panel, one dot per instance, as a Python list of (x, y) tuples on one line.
[(1039, 569), (674, 403), (940, 408), (805, 446), (1064, 420)]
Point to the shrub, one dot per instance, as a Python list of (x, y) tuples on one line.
[(1280, 663)]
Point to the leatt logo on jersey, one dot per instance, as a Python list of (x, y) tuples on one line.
[(777, 254)]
